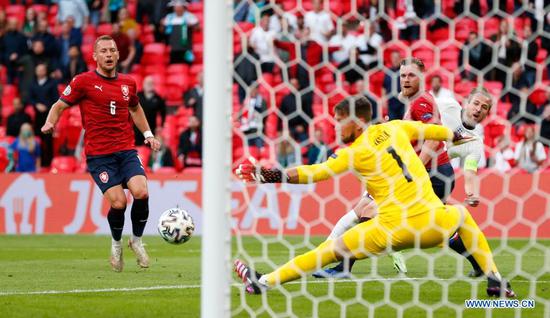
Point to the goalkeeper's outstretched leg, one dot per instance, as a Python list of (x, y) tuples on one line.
[(373, 238)]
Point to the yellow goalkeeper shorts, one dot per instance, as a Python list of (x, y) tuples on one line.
[(376, 237)]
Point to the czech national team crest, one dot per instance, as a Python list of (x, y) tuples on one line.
[(125, 92), (104, 177)]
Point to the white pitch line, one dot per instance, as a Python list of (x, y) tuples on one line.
[(132, 289)]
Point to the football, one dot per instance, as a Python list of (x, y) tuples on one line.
[(176, 226)]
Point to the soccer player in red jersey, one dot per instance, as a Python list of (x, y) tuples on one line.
[(422, 107), (109, 107)]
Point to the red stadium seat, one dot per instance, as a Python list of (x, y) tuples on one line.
[(4, 160), (63, 164), (538, 96), (104, 28), (178, 69)]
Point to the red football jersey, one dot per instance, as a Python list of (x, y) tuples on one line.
[(104, 104), (423, 108)]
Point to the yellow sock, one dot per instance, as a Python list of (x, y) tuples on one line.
[(320, 256), (476, 244)]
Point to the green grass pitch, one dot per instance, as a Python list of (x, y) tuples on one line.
[(69, 276)]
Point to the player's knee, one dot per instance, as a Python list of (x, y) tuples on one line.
[(341, 251), (119, 203), (140, 193)]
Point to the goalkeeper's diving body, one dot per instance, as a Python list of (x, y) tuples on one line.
[(409, 213)]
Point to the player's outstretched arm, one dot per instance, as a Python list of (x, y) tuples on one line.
[(417, 130), (253, 172), (53, 116), (138, 116)]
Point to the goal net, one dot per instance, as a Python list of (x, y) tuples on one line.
[(294, 61)]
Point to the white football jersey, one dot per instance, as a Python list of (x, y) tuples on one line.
[(470, 154)]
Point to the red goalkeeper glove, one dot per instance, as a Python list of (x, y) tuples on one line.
[(254, 173)]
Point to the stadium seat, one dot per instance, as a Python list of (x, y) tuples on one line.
[(17, 11), (104, 29), (63, 164), (4, 160), (494, 87), (538, 96), (177, 69)]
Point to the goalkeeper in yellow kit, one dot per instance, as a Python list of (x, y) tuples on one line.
[(410, 214)]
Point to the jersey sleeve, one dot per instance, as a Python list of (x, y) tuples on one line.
[(473, 158), (417, 130), (422, 110), (74, 92), (339, 162), (134, 100)]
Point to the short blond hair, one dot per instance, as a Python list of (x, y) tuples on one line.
[(102, 38)]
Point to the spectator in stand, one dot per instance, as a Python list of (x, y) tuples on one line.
[(408, 24), (153, 106), (75, 66), (283, 22), (163, 157), (288, 154), (503, 156), (245, 71), (152, 9), (14, 47), (29, 63), (508, 50), (519, 84), (193, 97), (95, 8), (530, 154), (240, 10), (368, 50), (478, 56), (50, 43), (424, 8), (30, 24), (179, 27), (77, 9), (26, 150), (69, 36), (438, 92), (17, 118), (138, 47), (346, 56), (43, 94), (297, 113), (190, 144), (261, 40), (319, 23), (545, 121), (126, 22), (318, 151), (473, 6), (390, 88), (311, 55), (545, 40), (126, 49), (530, 50), (114, 6), (252, 116), (3, 21)]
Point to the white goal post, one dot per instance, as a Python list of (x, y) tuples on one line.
[(216, 244)]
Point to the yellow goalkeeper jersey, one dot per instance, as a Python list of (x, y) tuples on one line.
[(384, 159)]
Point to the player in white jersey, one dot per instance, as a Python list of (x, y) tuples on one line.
[(467, 121)]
